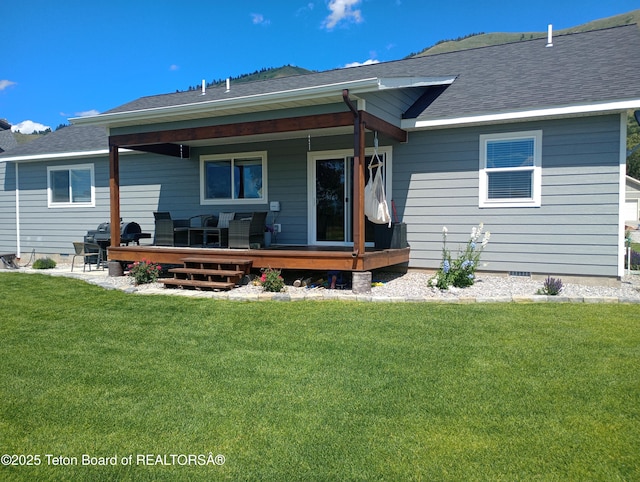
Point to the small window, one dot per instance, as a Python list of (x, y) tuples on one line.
[(238, 178), (71, 186), (510, 169)]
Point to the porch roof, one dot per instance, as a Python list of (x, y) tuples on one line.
[(250, 97)]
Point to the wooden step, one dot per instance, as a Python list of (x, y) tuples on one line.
[(208, 272), (219, 285), (206, 259)]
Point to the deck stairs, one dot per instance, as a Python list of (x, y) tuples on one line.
[(208, 273)]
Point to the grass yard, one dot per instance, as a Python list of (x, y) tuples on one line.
[(312, 390)]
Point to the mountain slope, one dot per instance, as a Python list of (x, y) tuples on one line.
[(483, 40)]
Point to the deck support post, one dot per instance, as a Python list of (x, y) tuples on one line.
[(361, 282), (358, 177), (114, 192)]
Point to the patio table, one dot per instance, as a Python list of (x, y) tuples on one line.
[(220, 235)]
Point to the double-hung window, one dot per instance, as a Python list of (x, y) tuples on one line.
[(71, 186), (233, 179), (511, 169)]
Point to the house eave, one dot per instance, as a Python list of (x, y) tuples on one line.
[(62, 155), (523, 115), (307, 96)]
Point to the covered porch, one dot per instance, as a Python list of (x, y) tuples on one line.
[(355, 255)]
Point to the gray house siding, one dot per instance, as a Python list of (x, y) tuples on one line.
[(575, 231), (435, 184), (7, 208), (52, 230)]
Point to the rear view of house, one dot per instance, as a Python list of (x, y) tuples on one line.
[(527, 138)]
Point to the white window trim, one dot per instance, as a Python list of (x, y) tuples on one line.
[(71, 204), (233, 157), (536, 199)]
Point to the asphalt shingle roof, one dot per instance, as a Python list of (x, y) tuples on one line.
[(69, 139), (580, 68)]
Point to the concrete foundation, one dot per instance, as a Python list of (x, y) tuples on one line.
[(115, 268), (361, 282)]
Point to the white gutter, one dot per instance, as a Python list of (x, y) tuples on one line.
[(308, 93), (355, 87), (64, 155), (605, 107)]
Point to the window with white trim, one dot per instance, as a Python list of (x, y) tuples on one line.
[(511, 169), (70, 186), (233, 179)]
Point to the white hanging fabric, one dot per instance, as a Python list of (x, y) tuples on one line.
[(375, 201)]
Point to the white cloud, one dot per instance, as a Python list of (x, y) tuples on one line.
[(303, 10), (5, 84), (29, 127), (174, 67), (342, 10), (87, 113), (258, 19), (358, 64)]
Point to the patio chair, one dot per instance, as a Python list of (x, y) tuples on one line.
[(245, 233), (170, 232), (89, 252)]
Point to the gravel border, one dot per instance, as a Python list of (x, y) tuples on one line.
[(390, 287)]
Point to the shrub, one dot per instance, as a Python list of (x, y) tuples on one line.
[(144, 271), (551, 287), (271, 280), (461, 271), (44, 263)]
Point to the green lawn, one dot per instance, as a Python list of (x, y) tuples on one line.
[(314, 390)]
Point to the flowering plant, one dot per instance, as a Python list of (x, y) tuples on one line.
[(551, 286), (461, 271), (271, 280), (144, 271)]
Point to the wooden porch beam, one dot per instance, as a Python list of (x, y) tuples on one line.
[(376, 124), (174, 150), (271, 126)]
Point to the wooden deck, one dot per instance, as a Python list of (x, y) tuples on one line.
[(277, 257)]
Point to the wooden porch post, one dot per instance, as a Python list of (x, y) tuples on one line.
[(358, 185), (114, 191)]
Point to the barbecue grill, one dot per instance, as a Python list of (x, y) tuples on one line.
[(129, 233)]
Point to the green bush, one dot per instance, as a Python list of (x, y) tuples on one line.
[(44, 263), (271, 280), (144, 271)]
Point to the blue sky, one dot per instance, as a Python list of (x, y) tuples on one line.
[(69, 58)]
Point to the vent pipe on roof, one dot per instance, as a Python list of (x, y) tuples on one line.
[(228, 84), (203, 87), (550, 36)]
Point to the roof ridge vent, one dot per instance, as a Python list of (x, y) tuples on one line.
[(549, 35)]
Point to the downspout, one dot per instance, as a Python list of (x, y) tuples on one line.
[(358, 179), (18, 247)]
